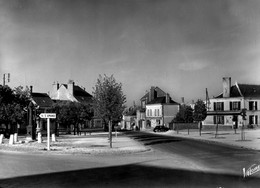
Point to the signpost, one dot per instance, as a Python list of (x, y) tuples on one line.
[(48, 116)]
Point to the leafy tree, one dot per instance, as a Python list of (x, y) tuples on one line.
[(6, 95), (12, 103), (108, 101), (22, 95), (185, 115), (200, 112), (72, 113)]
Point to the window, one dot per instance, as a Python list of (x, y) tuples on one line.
[(253, 120), (252, 105), (143, 104), (218, 119), (235, 105), (218, 106)]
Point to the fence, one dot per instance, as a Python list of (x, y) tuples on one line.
[(183, 126)]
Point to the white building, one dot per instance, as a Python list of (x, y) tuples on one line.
[(161, 111), (225, 109)]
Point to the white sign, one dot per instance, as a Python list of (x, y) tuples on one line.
[(48, 115)]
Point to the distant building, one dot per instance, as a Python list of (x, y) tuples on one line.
[(70, 92), (75, 93), (151, 95), (161, 110), (157, 108), (129, 119), (225, 109)]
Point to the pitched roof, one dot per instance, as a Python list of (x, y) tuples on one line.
[(161, 100), (41, 99), (131, 113), (81, 95), (145, 96), (243, 90), (249, 90), (158, 91)]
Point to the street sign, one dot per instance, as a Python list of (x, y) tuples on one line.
[(48, 115)]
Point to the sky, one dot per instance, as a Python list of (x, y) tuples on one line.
[(181, 46)]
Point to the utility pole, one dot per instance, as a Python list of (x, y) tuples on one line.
[(4, 78)]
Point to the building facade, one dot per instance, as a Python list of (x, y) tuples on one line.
[(225, 109), (161, 111), (157, 108)]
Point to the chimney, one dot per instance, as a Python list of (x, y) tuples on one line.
[(167, 100), (226, 87), (31, 89), (151, 94), (182, 100), (55, 87), (71, 87)]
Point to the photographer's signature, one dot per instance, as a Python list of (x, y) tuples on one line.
[(251, 170)]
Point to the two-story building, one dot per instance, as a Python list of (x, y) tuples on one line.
[(161, 110), (225, 109), (157, 108)]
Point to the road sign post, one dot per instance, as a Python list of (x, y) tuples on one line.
[(48, 116)]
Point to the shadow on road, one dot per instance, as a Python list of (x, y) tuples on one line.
[(134, 175), (154, 139), (164, 141)]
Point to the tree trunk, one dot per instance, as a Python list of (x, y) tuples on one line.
[(74, 129), (110, 133), (200, 128), (216, 134)]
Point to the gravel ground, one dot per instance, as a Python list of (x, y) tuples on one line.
[(70, 144)]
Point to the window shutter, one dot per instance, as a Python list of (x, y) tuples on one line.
[(239, 105), (214, 106), (222, 106), (230, 106), (250, 105)]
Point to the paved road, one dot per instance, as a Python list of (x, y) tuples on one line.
[(215, 156), (173, 162)]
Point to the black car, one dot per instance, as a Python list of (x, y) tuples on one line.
[(160, 128), (4, 132)]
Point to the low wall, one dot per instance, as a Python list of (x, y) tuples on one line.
[(220, 127), (182, 126)]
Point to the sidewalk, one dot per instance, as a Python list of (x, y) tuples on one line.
[(251, 141), (96, 143)]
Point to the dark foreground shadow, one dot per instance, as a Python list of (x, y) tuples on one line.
[(134, 175)]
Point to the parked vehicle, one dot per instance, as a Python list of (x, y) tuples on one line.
[(160, 128), (4, 132)]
